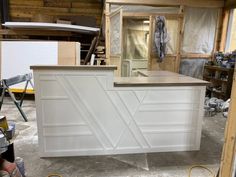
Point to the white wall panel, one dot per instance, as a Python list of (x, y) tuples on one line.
[(17, 56)]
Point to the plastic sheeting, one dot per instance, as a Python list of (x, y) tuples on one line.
[(192, 67), (231, 38), (135, 42), (115, 34), (136, 35), (172, 30), (135, 46), (199, 30)]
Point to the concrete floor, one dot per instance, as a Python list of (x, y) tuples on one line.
[(174, 164)]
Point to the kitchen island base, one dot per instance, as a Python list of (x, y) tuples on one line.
[(86, 112)]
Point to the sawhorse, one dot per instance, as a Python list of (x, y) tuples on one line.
[(5, 87)]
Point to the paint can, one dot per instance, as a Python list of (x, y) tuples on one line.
[(11, 130)]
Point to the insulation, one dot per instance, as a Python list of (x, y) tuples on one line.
[(199, 30)]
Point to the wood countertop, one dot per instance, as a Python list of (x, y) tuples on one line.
[(159, 74), (79, 67), (158, 78), (149, 78), (158, 81)]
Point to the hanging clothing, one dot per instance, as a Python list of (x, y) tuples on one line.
[(160, 38)]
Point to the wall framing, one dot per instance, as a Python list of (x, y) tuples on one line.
[(193, 3), (228, 153), (180, 16)]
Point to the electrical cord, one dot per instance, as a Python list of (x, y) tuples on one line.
[(54, 175), (200, 166), (189, 174)]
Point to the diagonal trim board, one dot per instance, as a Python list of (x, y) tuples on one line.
[(98, 118), (81, 107)]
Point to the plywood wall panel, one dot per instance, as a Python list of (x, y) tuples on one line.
[(32, 3), (28, 9), (168, 64)]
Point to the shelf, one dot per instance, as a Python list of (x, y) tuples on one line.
[(217, 92), (212, 78), (220, 93), (218, 68), (214, 74)]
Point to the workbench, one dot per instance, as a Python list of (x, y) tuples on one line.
[(85, 110)]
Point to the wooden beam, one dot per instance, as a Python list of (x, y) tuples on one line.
[(146, 2), (204, 3), (180, 40), (150, 43), (230, 4), (191, 3), (29, 11), (153, 55), (33, 32), (195, 56), (217, 31), (91, 5), (0, 59), (228, 154), (33, 3), (224, 30), (107, 31), (146, 14)]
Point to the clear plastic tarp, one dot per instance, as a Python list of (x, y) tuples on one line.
[(172, 30), (192, 67), (199, 30), (135, 38), (115, 34)]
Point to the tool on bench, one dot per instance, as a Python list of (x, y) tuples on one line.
[(5, 87)]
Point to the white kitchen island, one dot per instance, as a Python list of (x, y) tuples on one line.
[(84, 110)]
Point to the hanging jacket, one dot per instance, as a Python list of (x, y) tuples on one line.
[(160, 38)]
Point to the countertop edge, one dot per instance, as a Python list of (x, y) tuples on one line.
[(72, 67), (157, 84)]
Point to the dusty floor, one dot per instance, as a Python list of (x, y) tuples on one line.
[(174, 164)]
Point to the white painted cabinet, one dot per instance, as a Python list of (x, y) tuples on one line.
[(80, 112)]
